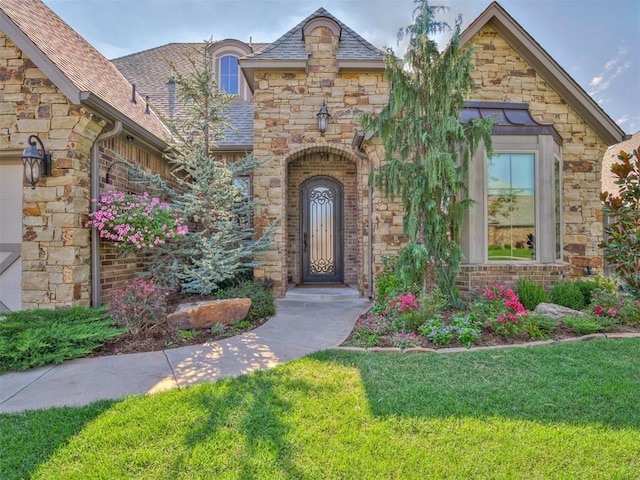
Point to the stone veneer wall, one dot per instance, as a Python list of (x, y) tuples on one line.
[(116, 268), (285, 125), (55, 247), (502, 75)]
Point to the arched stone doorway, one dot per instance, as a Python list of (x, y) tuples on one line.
[(323, 212)]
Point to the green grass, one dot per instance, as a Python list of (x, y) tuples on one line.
[(510, 254), (566, 411), (30, 338)]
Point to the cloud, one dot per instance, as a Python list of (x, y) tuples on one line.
[(629, 122), (595, 82), (612, 69)]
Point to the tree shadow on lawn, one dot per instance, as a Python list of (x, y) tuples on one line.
[(584, 383), (245, 425), (29, 439), (236, 425)]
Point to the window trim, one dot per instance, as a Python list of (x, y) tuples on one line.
[(545, 151), (221, 73)]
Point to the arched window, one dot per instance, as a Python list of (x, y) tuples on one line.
[(229, 74)]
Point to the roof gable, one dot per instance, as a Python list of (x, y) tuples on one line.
[(75, 67), (495, 16), (291, 46), (289, 51)]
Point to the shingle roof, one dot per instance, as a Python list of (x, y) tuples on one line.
[(290, 46), (150, 71), (611, 156), (241, 118), (67, 58)]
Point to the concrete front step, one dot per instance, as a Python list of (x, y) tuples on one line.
[(322, 294)]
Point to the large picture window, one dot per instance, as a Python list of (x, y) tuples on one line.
[(229, 74), (511, 218)]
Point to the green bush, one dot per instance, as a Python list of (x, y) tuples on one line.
[(530, 293), (567, 294), (387, 283), (584, 325), (31, 338), (263, 304), (587, 286)]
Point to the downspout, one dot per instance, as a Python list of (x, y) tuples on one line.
[(95, 193), (370, 232), (357, 147)]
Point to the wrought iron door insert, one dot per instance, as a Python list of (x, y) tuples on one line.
[(321, 233)]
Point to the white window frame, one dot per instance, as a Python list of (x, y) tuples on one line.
[(221, 73)]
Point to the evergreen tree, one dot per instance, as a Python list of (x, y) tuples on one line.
[(427, 147), (206, 191)]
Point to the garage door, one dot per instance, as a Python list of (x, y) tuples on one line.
[(10, 234)]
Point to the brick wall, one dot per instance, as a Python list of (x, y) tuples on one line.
[(115, 155), (343, 170), (56, 248), (475, 278)]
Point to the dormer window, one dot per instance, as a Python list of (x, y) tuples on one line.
[(229, 76)]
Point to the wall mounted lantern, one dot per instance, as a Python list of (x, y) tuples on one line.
[(36, 164), (323, 118)]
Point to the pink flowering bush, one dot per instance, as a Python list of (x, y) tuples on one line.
[(142, 221), (140, 303), (618, 307), (409, 311), (499, 309)]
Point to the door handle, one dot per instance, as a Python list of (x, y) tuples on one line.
[(304, 242)]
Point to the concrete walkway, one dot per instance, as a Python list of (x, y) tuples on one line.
[(305, 322)]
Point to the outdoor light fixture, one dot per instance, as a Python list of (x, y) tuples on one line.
[(36, 164), (323, 118)]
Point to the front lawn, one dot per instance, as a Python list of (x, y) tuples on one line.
[(562, 411)]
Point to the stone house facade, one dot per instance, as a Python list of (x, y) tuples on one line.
[(61, 89), (330, 226), (544, 119)]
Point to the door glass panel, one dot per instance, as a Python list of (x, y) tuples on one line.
[(321, 231)]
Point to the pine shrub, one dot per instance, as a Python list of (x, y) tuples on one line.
[(31, 338)]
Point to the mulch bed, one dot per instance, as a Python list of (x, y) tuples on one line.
[(162, 337)]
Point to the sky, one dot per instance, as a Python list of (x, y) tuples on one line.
[(595, 41)]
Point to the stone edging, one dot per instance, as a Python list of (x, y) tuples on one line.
[(593, 336)]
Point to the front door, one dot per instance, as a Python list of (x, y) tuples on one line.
[(321, 232)]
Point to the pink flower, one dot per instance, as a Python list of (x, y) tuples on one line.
[(612, 312), (598, 310)]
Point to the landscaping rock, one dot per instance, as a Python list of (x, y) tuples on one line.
[(208, 313), (558, 311)]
